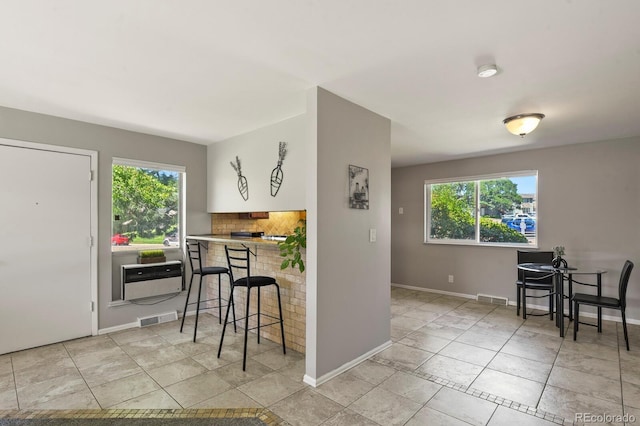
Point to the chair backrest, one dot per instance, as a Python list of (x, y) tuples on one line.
[(624, 281), (194, 253), (544, 257), (238, 259)]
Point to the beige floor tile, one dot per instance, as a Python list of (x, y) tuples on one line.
[(7, 381), (411, 387), (38, 357), (371, 372), (38, 393), (631, 411), (398, 333), (89, 344), (530, 350), (403, 357), (232, 398), (114, 368), (430, 417), (480, 338), (587, 364), (523, 391), (132, 335), (457, 321), (138, 347), (460, 372), (521, 367), (631, 394), (461, 406), (424, 341), (40, 373), (159, 357), (276, 360), (211, 361), (158, 399), (295, 371), (508, 417), (407, 322), (442, 330), (82, 400), (5, 365), (271, 388), (117, 391), (423, 315), (348, 417), (197, 389), (8, 399), (305, 408), (84, 360), (590, 349), (567, 403), (468, 353), (344, 389), (385, 408), (235, 376), (397, 309), (176, 371), (587, 384)]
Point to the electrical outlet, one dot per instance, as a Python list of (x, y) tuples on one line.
[(400, 210), (372, 235), (450, 278)]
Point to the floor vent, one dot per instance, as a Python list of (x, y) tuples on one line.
[(494, 300), (157, 319)]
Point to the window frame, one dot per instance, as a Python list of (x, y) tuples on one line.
[(476, 180), (182, 193)]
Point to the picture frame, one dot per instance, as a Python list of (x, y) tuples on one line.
[(358, 187)]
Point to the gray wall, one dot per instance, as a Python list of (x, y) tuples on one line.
[(588, 201), (350, 280), (110, 142)]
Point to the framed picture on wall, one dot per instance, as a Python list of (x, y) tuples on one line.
[(358, 187)]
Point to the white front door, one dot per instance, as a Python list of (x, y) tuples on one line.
[(45, 252)]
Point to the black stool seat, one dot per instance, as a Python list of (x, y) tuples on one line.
[(592, 299), (211, 270), (255, 281)]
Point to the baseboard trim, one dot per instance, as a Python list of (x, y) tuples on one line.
[(330, 375), (614, 318)]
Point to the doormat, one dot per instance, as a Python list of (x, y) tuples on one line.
[(142, 417)]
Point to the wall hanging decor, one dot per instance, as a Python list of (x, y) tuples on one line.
[(243, 186), (277, 175), (358, 187)]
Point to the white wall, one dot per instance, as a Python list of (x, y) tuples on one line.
[(588, 201), (348, 277), (258, 154), (110, 142)]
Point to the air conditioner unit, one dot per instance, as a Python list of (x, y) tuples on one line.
[(152, 279)]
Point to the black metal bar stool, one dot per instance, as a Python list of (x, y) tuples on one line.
[(238, 259), (194, 252)]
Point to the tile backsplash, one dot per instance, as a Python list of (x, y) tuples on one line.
[(279, 223)]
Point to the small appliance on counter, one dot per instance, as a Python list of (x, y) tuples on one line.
[(247, 234), (274, 237)]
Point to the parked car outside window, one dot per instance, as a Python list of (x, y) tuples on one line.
[(171, 240), (119, 240)]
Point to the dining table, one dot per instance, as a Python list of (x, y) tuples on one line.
[(570, 274)]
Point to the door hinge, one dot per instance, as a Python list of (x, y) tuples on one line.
[(92, 306), (90, 241), (91, 176)]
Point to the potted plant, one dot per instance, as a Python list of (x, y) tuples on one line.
[(290, 248), (151, 256)]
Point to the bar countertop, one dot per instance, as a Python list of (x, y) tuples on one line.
[(226, 238)]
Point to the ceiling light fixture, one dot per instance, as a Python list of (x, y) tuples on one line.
[(489, 70), (523, 124)]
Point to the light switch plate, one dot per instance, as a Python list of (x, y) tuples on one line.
[(372, 235)]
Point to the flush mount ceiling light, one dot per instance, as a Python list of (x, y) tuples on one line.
[(489, 70), (523, 124)]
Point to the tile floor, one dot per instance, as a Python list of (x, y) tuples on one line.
[(453, 361)]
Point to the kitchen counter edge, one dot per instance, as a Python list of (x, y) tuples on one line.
[(226, 238)]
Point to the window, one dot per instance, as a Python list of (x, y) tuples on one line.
[(483, 210), (147, 204)]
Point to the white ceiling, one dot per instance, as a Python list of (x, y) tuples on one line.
[(207, 70)]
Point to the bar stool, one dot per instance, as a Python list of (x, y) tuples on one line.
[(194, 252), (238, 259)]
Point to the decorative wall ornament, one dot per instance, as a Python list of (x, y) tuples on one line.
[(277, 175), (358, 187), (243, 186)]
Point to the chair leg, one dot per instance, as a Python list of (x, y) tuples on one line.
[(551, 296), (232, 303), (246, 329), (524, 302), (195, 329), (576, 319), (186, 303), (258, 316), (518, 291), (226, 319), (624, 328), (219, 299), (570, 294), (284, 349)]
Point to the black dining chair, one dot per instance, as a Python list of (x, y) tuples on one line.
[(194, 253), (534, 281), (619, 303), (238, 260)]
